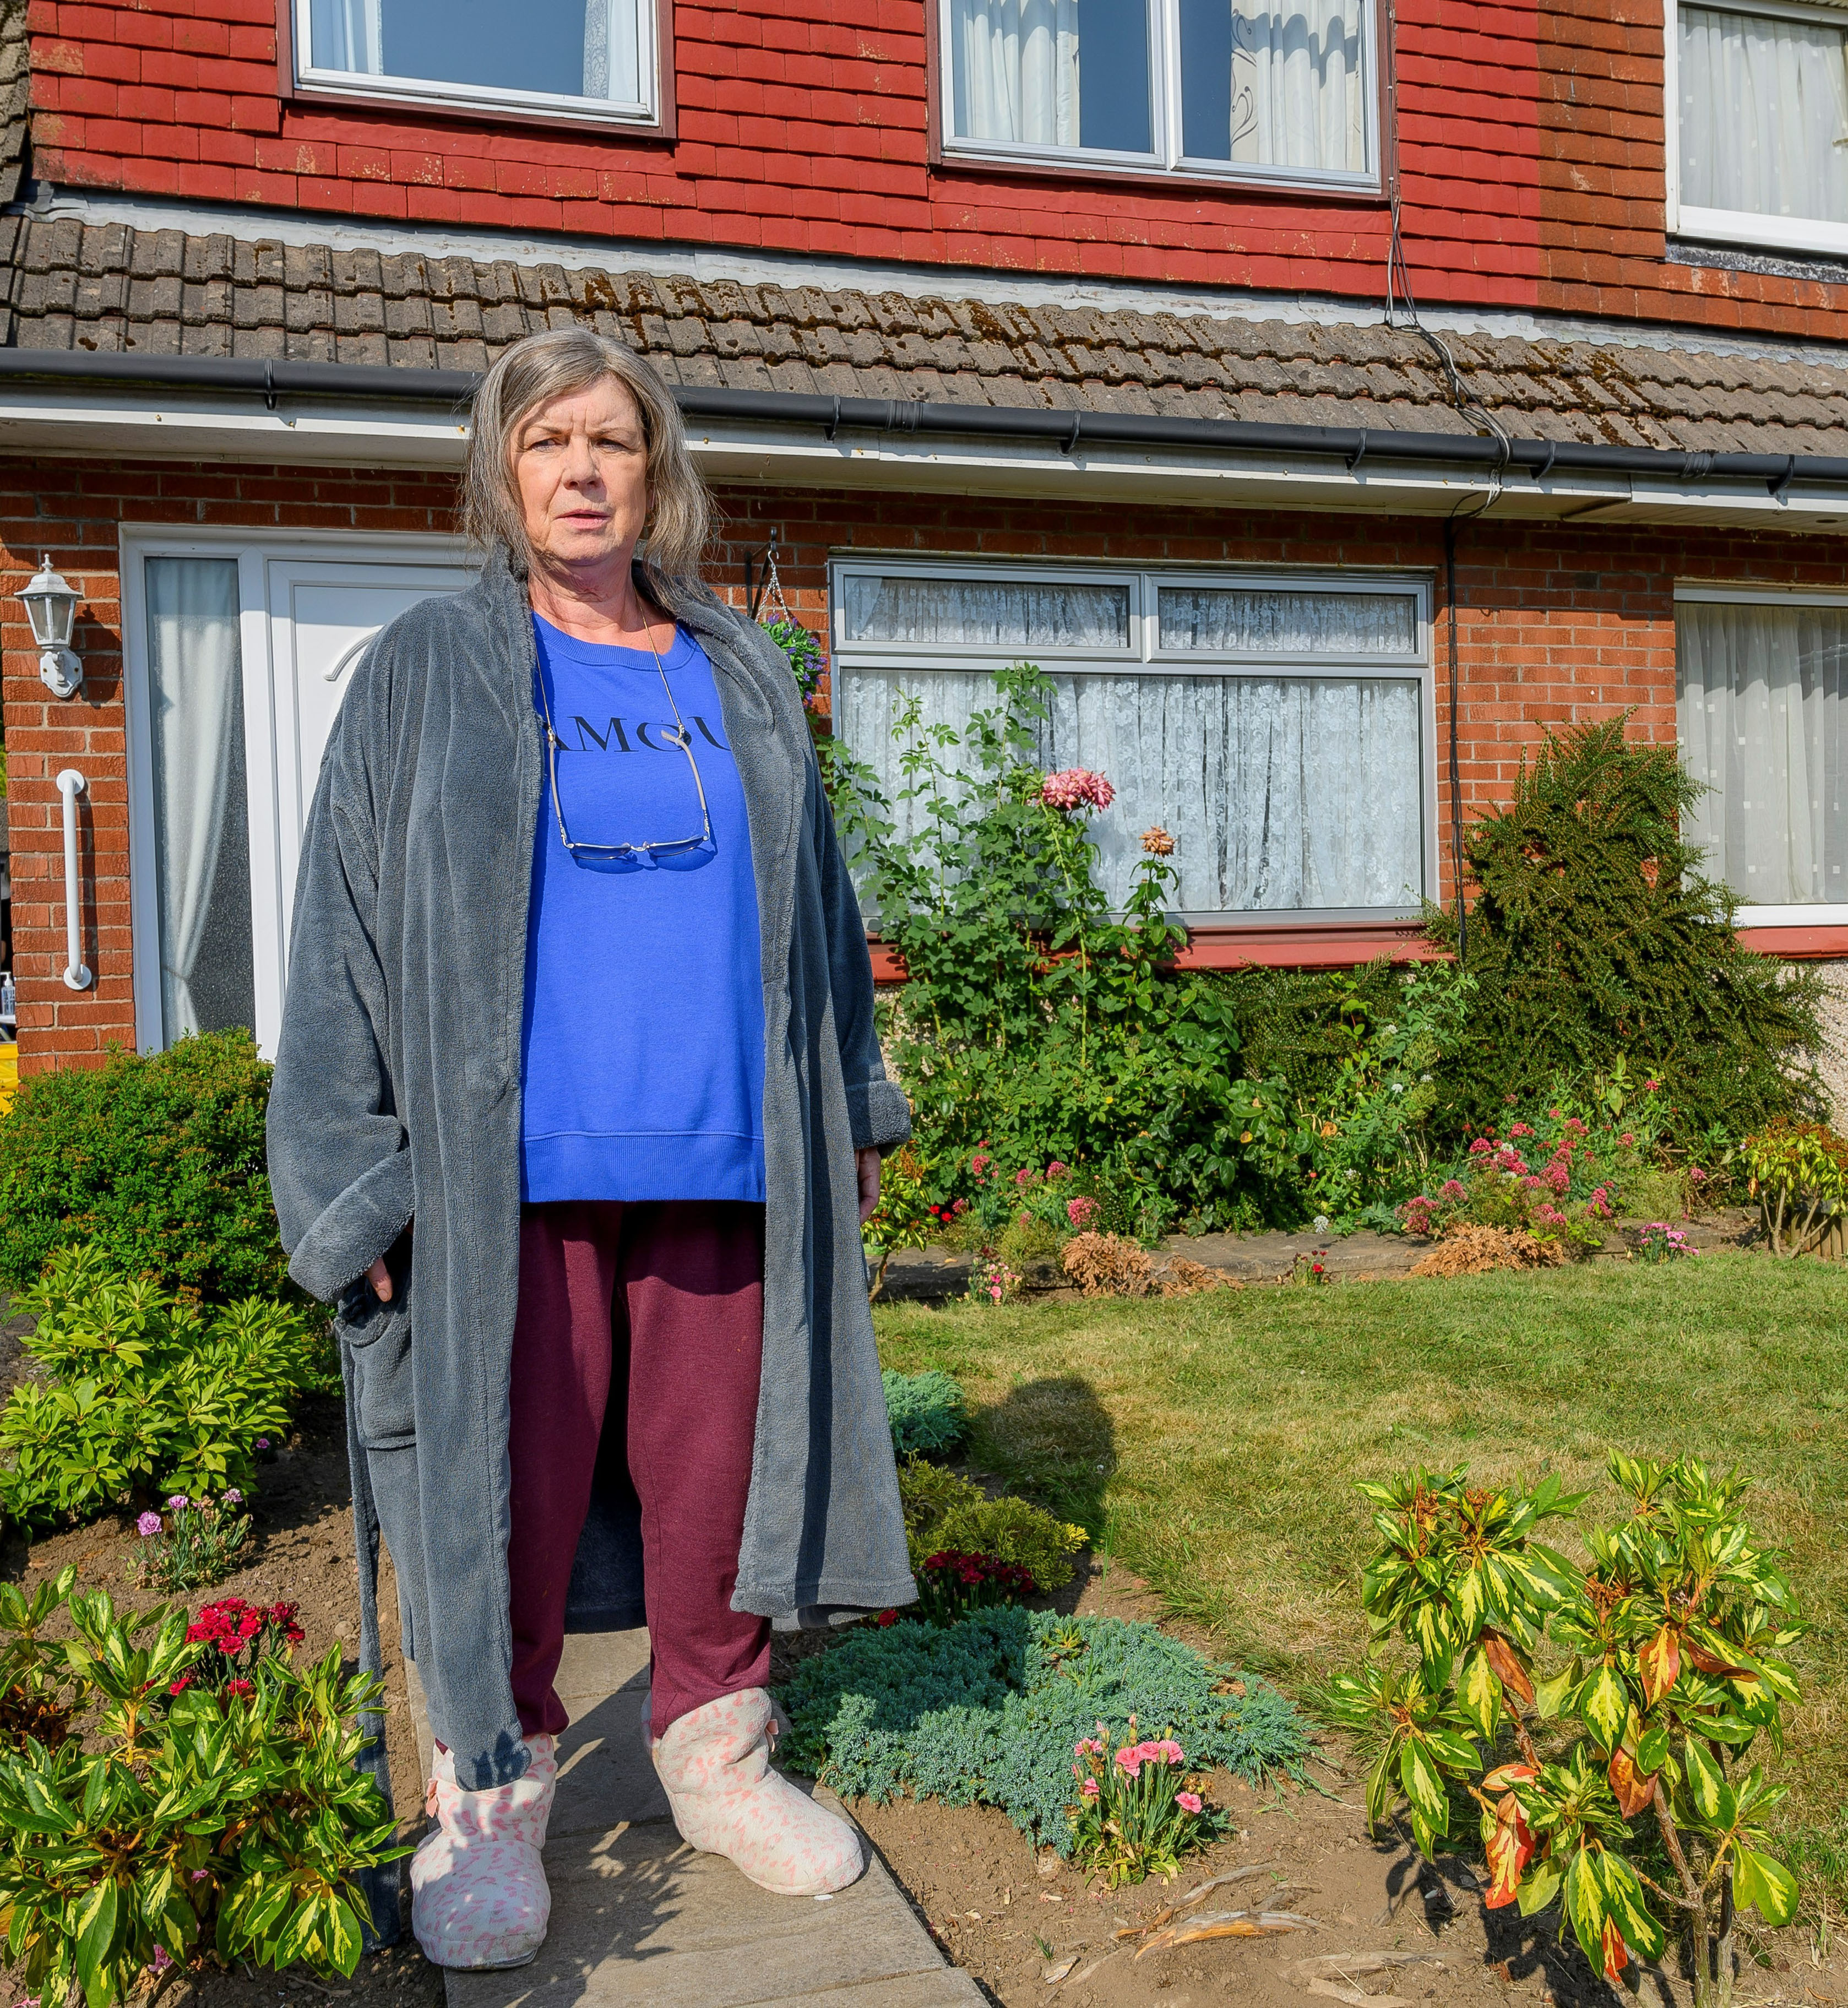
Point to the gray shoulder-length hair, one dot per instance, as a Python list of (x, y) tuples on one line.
[(536, 369)]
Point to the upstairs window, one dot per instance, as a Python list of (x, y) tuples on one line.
[(581, 58), (1759, 139), (1273, 90)]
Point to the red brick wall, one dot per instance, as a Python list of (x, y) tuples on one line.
[(1603, 188), (1557, 625), (801, 129)]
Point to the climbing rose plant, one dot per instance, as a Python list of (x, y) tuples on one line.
[(1674, 1631)]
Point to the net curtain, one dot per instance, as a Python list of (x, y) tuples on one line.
[(1016, 67), (1761, 727), (1298, 98), (1281, 793), (1764, 115), (201, 855)]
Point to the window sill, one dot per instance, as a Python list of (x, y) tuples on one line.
[(382, 97), (1760, 233), (1363, 190), (1284, 943)]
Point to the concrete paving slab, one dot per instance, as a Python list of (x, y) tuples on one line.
[(639, 1918)]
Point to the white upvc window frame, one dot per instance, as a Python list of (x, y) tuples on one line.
[(480, 98), (1822, 914), (254, 551), (1740, 227), (1166, 157), (1143, 655)]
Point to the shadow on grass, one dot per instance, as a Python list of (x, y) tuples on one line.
[(1052, 1441)]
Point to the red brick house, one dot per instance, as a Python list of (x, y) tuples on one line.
[(1023, 334)]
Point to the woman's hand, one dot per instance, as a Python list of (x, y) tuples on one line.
[(380, 1278), (866, 1164)]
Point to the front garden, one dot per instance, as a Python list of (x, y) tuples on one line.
[(1540, 1571)]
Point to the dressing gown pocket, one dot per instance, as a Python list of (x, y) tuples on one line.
[(376, 1339)]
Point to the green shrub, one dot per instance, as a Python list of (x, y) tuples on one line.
[(157, 1160), (222, 1822), (943, 1511), (989, 1711), (1665, 1699), (927, 1411), (145, 1395), (1595, 938)]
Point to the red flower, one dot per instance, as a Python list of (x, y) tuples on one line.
[(239, 1688), (181, 1685), (888, 1617)]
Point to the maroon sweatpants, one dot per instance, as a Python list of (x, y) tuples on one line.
[(663, 1304)]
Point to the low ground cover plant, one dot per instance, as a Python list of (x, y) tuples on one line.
[(201, 1816), (144, 1396), (928, 1412), (1626, 1782), (989, 1711), (945, 1512), (154, 1160)]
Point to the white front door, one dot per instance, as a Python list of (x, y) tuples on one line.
[(222, 635)]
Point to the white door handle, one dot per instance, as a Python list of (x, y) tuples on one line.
[(347, 656), (77, 975)]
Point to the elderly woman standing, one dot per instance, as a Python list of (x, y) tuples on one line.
[(577, 1109)]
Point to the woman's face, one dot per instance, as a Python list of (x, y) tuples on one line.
[(580, 466)]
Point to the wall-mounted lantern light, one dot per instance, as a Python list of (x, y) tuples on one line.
[(52, 607)]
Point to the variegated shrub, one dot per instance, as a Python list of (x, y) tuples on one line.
[(1620, 1780)]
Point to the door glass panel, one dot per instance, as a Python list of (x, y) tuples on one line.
[(202, 831)]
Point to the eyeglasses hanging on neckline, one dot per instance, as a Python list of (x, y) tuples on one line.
[(682, 739)]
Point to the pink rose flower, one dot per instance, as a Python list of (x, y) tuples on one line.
[(1188, 1802), (1076, 788)]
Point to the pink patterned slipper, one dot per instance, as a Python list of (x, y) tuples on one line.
[(478, 1897), (715, 1766)]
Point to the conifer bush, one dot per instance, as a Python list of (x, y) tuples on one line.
[(1594, 936)]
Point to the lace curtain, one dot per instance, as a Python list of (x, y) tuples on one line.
[(1297, 96), (202, 831), (1764, 115), (612, 56), (1282, 794), (1762, 726), (1014, 66)]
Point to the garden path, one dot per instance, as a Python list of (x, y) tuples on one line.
[(638, 1918)]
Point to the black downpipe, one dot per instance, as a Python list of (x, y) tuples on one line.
[(1450, 606)]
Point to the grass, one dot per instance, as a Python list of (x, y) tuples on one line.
[(1212, 1442)]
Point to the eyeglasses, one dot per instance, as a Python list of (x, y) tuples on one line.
[(554, 746)]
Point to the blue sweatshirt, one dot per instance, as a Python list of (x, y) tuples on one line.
[(641, 1051)]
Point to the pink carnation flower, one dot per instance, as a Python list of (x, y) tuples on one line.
[(1128, 1761), (148, 1525), (1089, 1788), (1188, 1802)]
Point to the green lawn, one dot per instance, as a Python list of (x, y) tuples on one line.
[(1213, 1441)]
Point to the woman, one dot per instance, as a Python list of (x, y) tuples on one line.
[(578, 1107)]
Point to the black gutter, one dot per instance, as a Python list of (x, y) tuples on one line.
[(1068, 430)]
